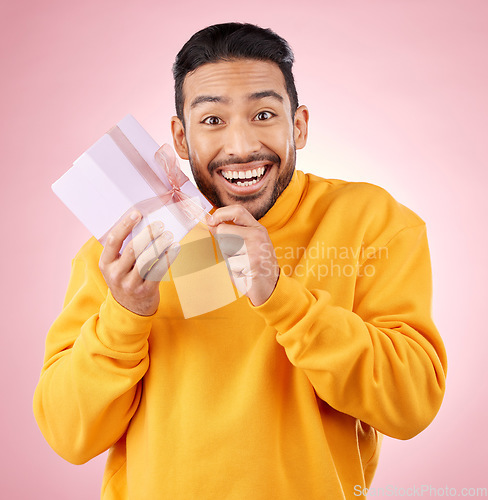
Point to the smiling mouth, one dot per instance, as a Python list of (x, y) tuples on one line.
[(244, 178)]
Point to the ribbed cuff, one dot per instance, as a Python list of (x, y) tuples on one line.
[(120, 329), (287, 305)]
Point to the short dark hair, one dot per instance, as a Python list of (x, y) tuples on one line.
[(231, 41)]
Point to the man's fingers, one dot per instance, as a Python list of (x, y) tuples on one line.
[(160, 267), (117, 236), (240, 271), (137, 246), (230, 243), (140, 242), (239, 266), (232, 213), (147, 259)]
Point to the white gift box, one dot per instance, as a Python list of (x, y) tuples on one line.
[(107, 181)]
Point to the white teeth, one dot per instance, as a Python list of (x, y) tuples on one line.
[(246, 183), (241, 174)]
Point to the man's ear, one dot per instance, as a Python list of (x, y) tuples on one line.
[(179, 139), (300, 127)]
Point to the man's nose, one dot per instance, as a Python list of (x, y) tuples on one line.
[(240, 140)]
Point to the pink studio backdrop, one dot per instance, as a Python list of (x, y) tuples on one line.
[(397, 96)]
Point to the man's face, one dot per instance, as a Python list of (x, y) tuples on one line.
[(239, 135)]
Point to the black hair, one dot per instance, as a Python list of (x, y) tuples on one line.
[(228, 42)]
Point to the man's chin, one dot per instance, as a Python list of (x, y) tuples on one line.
[(257, 204), (258, 211)]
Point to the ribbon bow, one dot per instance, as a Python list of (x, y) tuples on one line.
[(166, 158), (181, 205)]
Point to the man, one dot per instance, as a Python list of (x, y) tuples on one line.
[(282, 394)]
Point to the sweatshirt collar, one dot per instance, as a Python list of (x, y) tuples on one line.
[(286, 204)]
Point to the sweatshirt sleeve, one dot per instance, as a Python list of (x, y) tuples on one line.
[(96, 355), (382, 362)]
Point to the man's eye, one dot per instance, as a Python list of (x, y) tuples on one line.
[(264, 115), (212, 120)]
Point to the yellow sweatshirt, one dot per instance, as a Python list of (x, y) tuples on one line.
[(282, 401)]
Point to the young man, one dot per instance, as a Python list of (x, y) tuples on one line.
[(282, 394)]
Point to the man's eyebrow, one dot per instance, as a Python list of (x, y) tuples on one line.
[(265, 93), (255, 96), (208, 98)]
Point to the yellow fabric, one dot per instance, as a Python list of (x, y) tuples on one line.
[(282, 401)]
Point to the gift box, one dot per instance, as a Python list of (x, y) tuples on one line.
[(126, 170)]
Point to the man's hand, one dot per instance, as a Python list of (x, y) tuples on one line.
[(133, 277), (248, 250)]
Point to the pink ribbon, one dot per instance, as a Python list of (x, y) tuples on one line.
[(181, 205), (166, 158)]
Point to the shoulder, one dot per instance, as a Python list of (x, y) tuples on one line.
[(363, 206), (90, 252), (85, 264), (86, 279), (360, 197)]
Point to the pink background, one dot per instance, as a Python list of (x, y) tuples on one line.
[(397, 92)]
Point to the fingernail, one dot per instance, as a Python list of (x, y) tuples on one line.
[(135, 215), (210, 219)]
